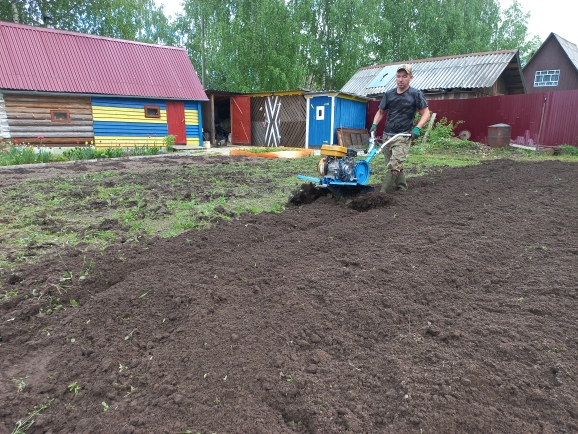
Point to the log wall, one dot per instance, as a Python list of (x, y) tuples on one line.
[(28, 117), (4, 129)]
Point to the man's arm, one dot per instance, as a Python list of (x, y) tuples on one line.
[(378, 116), (425, 115)]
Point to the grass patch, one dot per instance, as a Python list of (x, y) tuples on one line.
[(16, 155), (99, 209)]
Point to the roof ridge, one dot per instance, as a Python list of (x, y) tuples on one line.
[(433, 59)]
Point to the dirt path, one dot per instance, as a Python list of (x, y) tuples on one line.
[(452, 308)]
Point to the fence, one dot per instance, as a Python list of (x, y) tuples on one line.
[(547, 119)]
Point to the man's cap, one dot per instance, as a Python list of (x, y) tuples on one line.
[(406, 67)]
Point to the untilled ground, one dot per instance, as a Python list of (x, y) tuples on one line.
[(451, 308)]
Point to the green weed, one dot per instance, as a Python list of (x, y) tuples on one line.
[(23, 424), (74, 388), (169, 142), (20, 383), (8, 294)]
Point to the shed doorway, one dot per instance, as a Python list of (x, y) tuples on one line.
[(217, 126)]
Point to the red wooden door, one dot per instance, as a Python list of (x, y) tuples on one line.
[(241, 120), (176, 121)]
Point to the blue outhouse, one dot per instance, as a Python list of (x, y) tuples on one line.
[(329, 110)]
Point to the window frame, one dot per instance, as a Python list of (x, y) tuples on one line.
[(53, 117), (146, 109), (546, 73)]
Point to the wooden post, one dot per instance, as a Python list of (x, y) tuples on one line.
[(429, 127), (540, 130)]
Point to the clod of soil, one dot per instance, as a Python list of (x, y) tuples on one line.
[(308, 193), (369, 201)]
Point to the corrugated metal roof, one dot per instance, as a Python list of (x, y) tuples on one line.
[(468, 71), (570, 49), (50, 60)]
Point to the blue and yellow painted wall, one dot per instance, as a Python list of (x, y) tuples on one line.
[(193, 120), (122, 122), (327, 111)]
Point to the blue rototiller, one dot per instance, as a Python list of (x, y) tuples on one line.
[(342, 173)]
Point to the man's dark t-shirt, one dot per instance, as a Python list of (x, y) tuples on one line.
[(401, 109)]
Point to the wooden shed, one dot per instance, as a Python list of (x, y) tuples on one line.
[(217, 117), (553, 67), (278, 118), (61, 88)]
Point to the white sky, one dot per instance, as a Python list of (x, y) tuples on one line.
[(558, 16)]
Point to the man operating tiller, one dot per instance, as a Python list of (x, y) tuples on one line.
[(401, 103)]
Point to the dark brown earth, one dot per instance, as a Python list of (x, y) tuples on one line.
[(450, 309)]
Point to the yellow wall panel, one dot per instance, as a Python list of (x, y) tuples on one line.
[(127, 142), (193, 141), (192, 117), (123, 114)]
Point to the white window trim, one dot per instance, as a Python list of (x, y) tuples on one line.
[(319, 113), (547, 73)]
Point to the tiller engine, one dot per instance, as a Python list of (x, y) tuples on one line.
[(341, 172)]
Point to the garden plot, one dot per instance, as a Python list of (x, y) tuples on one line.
[(451, 308)]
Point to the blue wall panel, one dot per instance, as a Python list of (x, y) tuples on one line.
[(193, 131), (319, 130), (348, 114), (104, 128), (192, 105)]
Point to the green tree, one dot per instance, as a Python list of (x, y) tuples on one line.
[(127, 19), (334, 39), (414, 29), (512, 33), (246, 45)]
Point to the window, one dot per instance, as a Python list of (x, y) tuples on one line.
[(152, 111), (59, 115), (320, 113), (547, 78)]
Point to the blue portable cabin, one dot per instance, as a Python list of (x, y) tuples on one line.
[(329, 110)]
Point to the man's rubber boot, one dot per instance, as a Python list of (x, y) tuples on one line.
[(388, 182), (400, 182)]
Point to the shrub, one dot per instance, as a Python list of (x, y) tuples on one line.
[(569, 150), (442, 138), (169, 142)]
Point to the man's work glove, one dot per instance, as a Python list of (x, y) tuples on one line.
[(415, 133), (373, 128)]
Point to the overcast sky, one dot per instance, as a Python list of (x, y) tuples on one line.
[(558, 16)]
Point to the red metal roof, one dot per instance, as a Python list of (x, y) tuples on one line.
[(49, 60)]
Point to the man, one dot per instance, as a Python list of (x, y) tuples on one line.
[(402, 104)]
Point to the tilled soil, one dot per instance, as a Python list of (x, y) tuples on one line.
[(450, 308)]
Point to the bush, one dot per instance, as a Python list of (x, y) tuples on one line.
[(169, 142), (442, 138), (569, 150)]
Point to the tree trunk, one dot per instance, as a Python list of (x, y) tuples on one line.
[(15, 15)]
